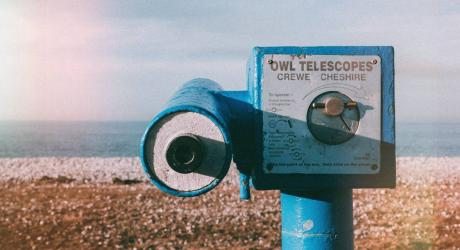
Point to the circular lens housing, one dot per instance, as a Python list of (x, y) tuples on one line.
[(333, 118)]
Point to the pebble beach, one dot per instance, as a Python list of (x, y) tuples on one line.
[(93, 203), (103, 169)]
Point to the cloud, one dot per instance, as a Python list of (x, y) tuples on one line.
[(128, 57), (167, 38)]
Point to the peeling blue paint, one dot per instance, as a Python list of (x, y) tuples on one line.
[(329, 214)]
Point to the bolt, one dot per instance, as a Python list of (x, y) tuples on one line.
[(269, 167), (270, 61), (351, 104), (318, 105), (374, 61)]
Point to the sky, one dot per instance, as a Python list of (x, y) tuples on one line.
[(122, 60)]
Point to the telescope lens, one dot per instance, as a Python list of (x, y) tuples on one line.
[(185, 154)]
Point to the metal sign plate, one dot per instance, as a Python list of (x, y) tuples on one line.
[(349, 144)]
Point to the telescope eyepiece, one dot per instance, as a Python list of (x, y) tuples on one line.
[(185, 153)]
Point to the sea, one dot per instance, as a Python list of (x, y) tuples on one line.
[(122, 139)]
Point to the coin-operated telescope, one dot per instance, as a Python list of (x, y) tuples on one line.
[(314, 122)]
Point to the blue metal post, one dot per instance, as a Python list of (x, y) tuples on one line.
[(317, 219)]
